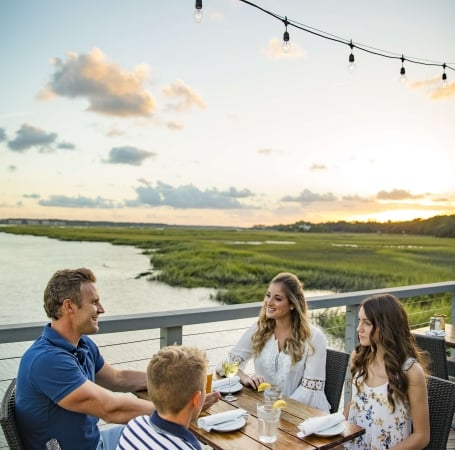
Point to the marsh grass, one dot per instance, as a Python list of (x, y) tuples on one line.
[(240, 263)]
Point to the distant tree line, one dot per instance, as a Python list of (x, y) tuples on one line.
[(439, 226)]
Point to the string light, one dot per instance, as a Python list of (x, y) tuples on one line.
[(351, 65), (198, 11), (359, 47), (444, 76), (403, 77), (286, 44)]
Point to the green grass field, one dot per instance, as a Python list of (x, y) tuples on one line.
[(240, 263)]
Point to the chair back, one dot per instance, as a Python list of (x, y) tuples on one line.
[(335, 376), (436, 347), (8, 418), (441, 405)]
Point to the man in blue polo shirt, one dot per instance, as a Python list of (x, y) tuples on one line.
[(64, 385)]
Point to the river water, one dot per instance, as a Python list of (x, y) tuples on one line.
[(27, 263)]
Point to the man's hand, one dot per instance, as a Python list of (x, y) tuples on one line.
[(211, 399)]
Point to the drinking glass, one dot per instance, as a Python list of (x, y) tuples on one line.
[(268, 418), (230, 368), (208, 386), (273, 393)]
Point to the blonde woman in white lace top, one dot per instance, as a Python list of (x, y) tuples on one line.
[(286, 349), (389, 395)]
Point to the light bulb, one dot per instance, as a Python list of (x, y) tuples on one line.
[(198, 11), (403, 77), (352, 65), (286, 46), (444, 77)]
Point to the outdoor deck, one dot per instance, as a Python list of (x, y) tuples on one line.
[(129, 340)]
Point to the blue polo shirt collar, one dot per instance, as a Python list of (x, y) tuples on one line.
[(55, 338)]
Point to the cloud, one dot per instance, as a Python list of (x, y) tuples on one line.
[(185, 98), (317, 167), (64, 201), (434, 88), (28, 137), (2, 135), (128, 155), (188, 196), (356, 198), (274, 50), (66, 145), (115, 132), (109, 89), (34, 196), (175, 126), (396, 194), (309, 197), (12, 168)]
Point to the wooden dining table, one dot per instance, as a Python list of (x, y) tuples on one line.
[(247, 437), (449, 336)]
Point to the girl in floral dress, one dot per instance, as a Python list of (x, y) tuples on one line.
[(389, 393)]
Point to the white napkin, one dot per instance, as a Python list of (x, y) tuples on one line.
[(208, 422), (224, 383), (318, 424)]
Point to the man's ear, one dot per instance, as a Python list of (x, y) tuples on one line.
[(67, 306)]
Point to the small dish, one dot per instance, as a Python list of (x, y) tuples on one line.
[(332, 431), (234, 388), (231, 425)]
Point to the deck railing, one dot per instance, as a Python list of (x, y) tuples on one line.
[(171, 323)]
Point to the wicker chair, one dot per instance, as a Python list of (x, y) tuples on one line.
[(436, 348), (8, 418), (335, 377), (441, 403)]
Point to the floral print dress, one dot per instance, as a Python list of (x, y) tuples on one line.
[(371, 410)]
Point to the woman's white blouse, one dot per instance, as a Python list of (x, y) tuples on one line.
[(303, 381)]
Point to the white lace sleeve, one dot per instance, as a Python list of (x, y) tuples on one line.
[(311, 388)]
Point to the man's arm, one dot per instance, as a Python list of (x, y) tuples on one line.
[(118, 380), (89, 398)]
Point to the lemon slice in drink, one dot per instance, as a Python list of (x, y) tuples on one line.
[(263, 386), (280, 404)]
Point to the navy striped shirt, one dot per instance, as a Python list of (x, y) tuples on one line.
[(154, 432)]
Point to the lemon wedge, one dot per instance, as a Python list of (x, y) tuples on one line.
[(280, 404), (263, 386)]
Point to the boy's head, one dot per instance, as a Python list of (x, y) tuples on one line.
[(177, 375)]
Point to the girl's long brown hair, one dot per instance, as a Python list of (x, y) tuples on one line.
[(386, 313), (300, 332)]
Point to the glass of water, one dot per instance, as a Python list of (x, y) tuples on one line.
[(268, 418), (273, 393)]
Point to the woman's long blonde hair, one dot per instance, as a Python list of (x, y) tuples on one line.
[(300, 326)]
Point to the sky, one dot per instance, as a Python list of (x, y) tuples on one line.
[(134, 112)]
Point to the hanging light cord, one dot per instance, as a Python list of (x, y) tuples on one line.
[(364, 48)]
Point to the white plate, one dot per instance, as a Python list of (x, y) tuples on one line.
[(332, 431), (234, 388), (230, 426)]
